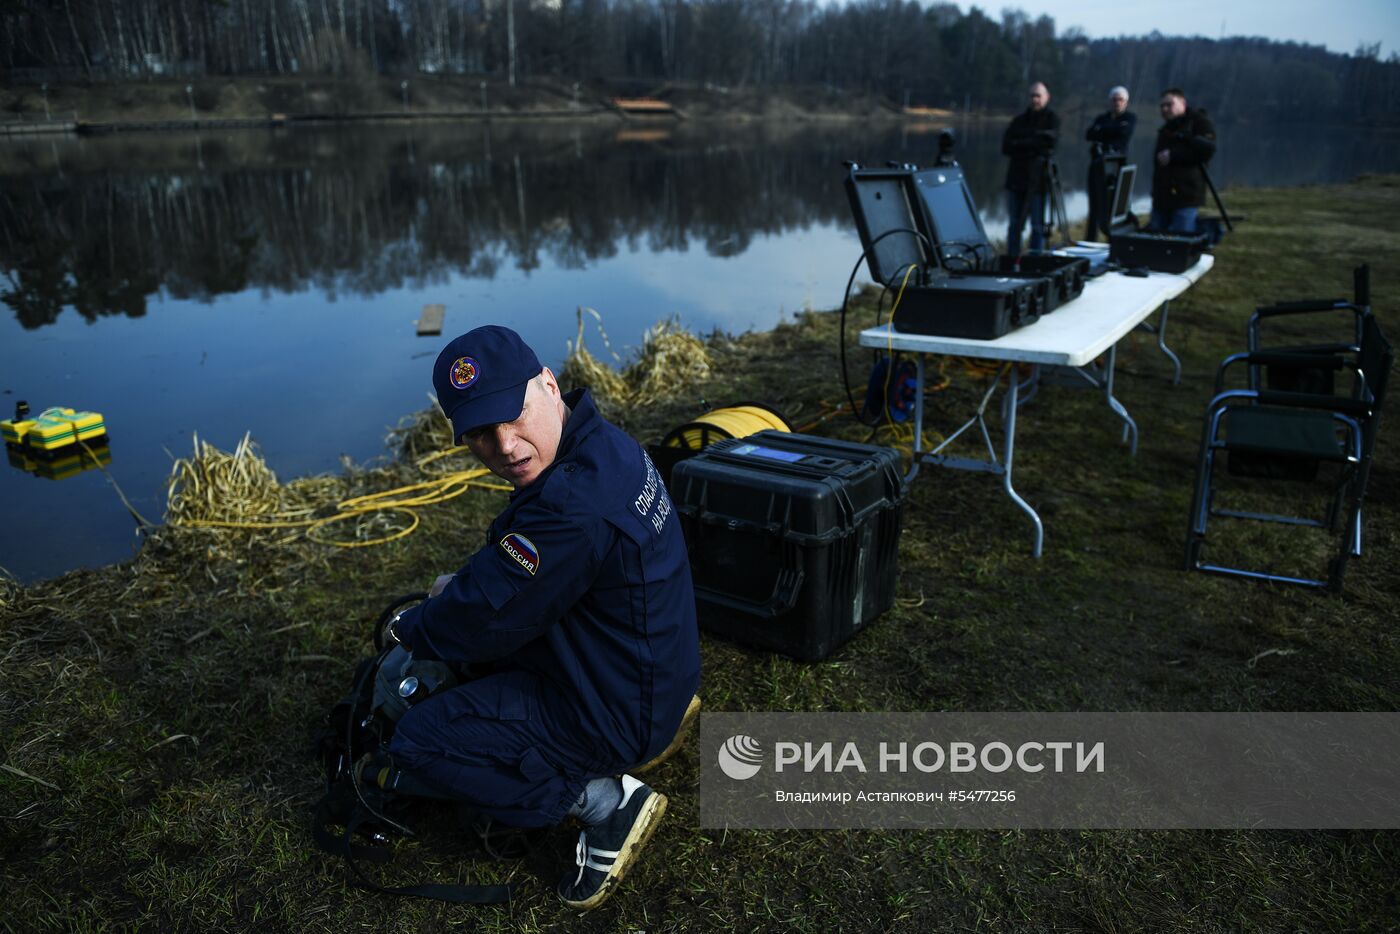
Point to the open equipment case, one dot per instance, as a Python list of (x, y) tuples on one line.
[(1159, 252), (959, 238), (926, 220), (897, 248)]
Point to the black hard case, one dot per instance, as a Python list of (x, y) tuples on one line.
[(894, 230), (791, 555), (1160, 252), (950, 218), (978, 307), (1067, 274)]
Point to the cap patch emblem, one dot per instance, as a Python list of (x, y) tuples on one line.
[(522, 551), (464, 372)]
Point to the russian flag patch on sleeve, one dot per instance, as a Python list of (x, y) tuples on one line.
[(522, 551)]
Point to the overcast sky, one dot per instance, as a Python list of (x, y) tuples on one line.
[(1338, 24)]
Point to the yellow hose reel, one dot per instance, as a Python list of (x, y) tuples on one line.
[(735, 421)]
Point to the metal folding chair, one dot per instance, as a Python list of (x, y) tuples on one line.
[(1288, 423)]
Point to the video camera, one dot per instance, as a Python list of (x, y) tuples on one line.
[(947, 140)]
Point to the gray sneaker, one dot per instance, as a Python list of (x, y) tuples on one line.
[(608, 849)]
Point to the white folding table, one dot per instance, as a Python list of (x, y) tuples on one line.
[(1073, 335)]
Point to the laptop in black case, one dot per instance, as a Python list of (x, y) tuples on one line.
[(1160, 252), (954, 226), (935, 299)]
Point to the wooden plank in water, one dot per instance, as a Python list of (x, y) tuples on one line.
[(641, 105), (430, 323)]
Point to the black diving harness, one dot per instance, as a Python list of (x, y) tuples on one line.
[(359, 725)]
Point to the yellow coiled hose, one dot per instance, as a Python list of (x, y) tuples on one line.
[(737, 421)]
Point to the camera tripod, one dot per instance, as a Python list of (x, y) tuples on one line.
[(1052, 206), (1053, 212)]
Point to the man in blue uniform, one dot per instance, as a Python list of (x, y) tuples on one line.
[(579, 608)]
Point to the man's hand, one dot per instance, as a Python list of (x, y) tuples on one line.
[(1164, 157), (391, 633), (390, 636), (440, 584)]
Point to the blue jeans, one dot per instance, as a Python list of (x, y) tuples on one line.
[(1181, 220), (1019, 206)]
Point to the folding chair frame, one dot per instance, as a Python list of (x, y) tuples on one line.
[(1348, 494)]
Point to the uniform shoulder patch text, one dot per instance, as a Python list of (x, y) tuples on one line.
[(522, 551)]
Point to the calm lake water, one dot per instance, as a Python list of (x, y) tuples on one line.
[(270, 281)]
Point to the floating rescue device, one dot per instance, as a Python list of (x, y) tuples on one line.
[(52, 429), (68, 462)]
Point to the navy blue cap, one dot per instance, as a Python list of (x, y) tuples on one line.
[(480, 378)]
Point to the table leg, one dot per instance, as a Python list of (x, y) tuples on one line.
[(1010, 451), (1032, 384), (918, 417), (1162, 344), (1130, 431)]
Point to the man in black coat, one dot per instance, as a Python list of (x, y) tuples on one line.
[(1185, 144), (1109, 133), (1029, 141)]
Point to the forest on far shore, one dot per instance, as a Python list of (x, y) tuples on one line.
[(933, 55)]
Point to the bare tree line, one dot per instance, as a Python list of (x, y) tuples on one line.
[(926, 55)]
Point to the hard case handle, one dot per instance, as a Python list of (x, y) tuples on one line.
[(787, 586)]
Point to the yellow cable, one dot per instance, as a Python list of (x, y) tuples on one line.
[(903, 434), (440, 489), (321, 523)]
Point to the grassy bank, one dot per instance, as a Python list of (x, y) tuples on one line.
[(259, 97), (155, 716)]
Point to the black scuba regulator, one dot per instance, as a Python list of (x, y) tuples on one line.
[(403, 681)]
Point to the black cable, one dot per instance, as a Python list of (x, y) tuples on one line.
[(845, 303), (965, 248), (369, 674), (885, 289)]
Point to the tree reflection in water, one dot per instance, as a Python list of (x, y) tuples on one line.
[(101, 224)]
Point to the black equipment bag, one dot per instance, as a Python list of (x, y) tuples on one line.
[(353, 730), (1160, 252)]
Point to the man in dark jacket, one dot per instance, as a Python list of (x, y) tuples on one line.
[(1109, 135), (579, 608), (1029, 140), (1185, 144)]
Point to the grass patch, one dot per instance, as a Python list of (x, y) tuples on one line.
[(156, 715)]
